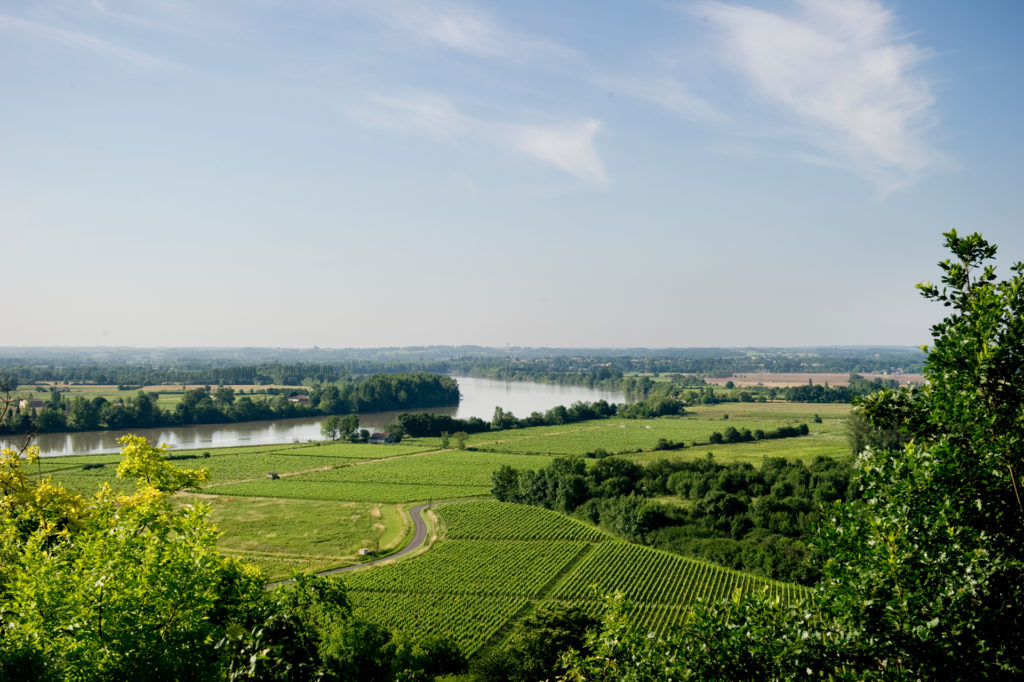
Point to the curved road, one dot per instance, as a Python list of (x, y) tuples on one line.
[(419, 536)]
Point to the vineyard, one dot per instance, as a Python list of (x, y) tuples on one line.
[(496, 561), (491, 520), (650, 576), (486, 567), (362, 451), (470, 620)]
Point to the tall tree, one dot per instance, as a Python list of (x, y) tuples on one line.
[(923, 569)]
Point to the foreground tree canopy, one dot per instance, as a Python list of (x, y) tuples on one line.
[(131, 587), (924, 568)]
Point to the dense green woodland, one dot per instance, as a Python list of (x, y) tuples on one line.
[(374, 393), (747, 518), (920, 558)]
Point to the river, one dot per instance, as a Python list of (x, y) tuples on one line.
[(479, 398)]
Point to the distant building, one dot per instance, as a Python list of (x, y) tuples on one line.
[(299, 399), (26, 403)]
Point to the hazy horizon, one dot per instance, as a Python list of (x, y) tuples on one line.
[(495, 348)]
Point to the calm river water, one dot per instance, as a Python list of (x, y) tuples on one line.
[(479, 398)]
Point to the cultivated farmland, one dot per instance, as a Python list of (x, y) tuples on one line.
[(471, 589), (639, 437), (433, 475)]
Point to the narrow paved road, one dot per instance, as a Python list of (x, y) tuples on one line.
[(419, 536)]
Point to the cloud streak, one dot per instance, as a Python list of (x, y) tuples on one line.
[(568, 147), (459, 27), (846, 73), (77, 40), (666, 92)]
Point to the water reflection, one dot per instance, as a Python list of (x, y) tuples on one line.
[(479, 398)]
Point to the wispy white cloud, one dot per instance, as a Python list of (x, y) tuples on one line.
[(416, 113), (77, 39), (165, 16), (847, 73), (667, 93), (458, 27), (569, 147)]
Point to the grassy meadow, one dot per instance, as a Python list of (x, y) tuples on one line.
[(637, 438), (281, 535)]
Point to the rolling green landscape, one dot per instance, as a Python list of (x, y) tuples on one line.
[(481, 341), (685, 533), (487, 564)]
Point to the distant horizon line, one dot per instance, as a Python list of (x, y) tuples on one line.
[(472, 346)]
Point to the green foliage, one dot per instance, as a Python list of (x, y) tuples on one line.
[(924, 568), (707, 646), (149, 464), (532, 651), (330, 427), (630, 436), (113, 586), (469, 620), (930, 568), (742, 517), (348, 425), (374, 393), (861, 433)]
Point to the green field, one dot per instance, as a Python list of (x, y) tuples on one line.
[(493, 520), (473, 582), (637, 438), (433, 475), (276, 533), (305, 535)]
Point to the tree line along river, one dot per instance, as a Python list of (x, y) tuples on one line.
[(479, 398)]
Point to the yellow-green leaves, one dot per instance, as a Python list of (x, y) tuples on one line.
[(149, 464)]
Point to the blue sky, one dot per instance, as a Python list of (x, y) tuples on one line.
[(366, 173)]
